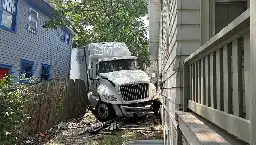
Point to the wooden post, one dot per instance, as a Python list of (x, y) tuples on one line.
[(246, 74), (252, 75), (199, 81), (213, 80), (202, 82), (186, 86), (237, 78), (227, 79), (207, 80), (218, 80)]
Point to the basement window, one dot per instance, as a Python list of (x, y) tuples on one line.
[(26, 69), (45, 72)]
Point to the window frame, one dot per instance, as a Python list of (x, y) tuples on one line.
[(49, 73), (30, 20), (14, 17), (21, 64)]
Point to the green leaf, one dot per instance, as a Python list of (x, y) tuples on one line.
[(110, 20)]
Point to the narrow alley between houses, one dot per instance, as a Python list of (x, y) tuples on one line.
[(145, 130)]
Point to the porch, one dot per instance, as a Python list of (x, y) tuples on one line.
[(218, 87)]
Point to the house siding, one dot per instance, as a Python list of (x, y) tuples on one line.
[(44, 47), (180, 36), (154, 25)]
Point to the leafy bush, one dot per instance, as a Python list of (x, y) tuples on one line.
[(33, 107), (13, 99)]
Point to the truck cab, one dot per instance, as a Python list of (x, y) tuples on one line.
[(116, 86)]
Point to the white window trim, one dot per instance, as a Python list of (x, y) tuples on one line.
[(30, 19)]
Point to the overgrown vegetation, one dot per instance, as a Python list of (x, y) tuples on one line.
[(13, 100), (31, 109), (105, 21)]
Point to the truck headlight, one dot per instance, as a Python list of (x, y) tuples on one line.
[(110, 97)]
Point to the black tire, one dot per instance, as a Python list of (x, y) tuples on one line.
[(104, 111), (156, 108)]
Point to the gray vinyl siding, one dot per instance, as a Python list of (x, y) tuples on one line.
[(44, 47), (180, 36)]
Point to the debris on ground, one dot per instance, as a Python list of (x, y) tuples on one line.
[(89, 131)]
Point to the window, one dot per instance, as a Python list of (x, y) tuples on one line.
[(45, 72), (8, 13), (33, 20), (26, 68), (117, 65), (226, 12), (65, 37), (5, 70)]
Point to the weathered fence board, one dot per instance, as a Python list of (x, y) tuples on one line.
[(55, 101)]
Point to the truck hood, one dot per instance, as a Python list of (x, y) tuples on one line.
[(126, 76)]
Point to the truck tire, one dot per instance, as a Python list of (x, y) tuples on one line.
[(156, 107), (104, 111)]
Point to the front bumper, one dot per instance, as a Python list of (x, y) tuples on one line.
[(129, 110)]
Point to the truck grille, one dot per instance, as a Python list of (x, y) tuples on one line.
[(132, 92)]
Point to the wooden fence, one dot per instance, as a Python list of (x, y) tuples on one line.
[(55, 101)]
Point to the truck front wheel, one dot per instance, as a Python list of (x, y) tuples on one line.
[(104, 112)]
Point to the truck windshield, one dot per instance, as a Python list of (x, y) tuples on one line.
[(117, 65)]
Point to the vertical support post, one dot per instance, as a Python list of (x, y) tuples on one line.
[(205, 21), (227, 94), (199, 81), (218, 83), (207, 82), (252, 75), (190, 81), (196, 82), (237, 78), (193, 82), (246, 75), (186, 85), (202, 82), (213, 80)]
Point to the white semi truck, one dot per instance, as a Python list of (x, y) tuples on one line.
[(116, 86)]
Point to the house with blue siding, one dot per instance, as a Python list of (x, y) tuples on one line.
[(28, 48)]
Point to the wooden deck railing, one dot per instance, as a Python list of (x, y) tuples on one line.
[(216, 79)]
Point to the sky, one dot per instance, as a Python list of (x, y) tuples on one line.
[(146, 21)]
